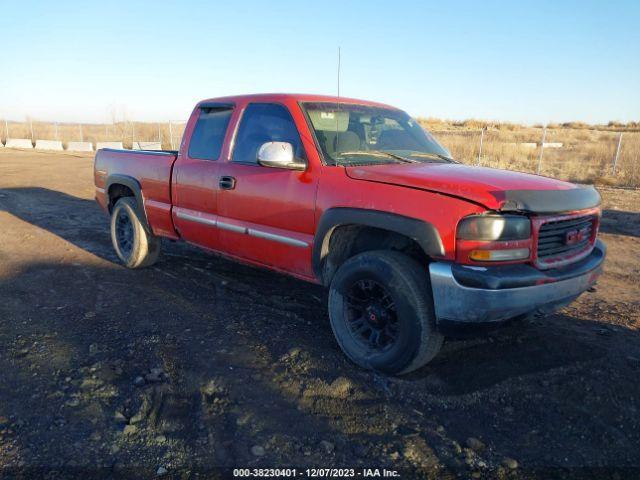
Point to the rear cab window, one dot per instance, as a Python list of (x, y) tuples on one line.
[(262, 123), (208, 135)]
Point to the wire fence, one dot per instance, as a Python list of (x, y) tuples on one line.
[(576, 154)]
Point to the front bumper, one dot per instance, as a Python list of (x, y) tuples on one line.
[(463, 294)]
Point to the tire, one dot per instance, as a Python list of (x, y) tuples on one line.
[(384, 288), (134, 245)]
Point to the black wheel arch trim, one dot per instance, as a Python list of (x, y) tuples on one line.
[(423, 233), (134, 186)]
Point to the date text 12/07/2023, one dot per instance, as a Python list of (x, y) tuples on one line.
[(315, 473)]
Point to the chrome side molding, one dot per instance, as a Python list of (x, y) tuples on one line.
[(274, 237)]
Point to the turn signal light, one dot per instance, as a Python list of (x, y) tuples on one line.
[(499, 255)]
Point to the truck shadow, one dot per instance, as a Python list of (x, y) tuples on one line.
[(620, 223), (510, 352), (76, 220)]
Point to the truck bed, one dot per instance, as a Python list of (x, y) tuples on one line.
[(150, 171)]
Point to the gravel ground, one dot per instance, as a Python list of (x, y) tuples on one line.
[(199, 363)]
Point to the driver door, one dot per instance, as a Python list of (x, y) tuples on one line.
[(266, 215)]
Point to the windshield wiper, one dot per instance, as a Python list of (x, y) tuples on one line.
[(380, 153), (398, 157), (434, 155)]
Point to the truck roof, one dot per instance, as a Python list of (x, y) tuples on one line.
[(298, 97)]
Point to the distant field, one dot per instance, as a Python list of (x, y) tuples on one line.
[(586, 153)]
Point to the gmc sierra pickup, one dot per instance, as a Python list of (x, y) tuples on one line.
[(356, 196)]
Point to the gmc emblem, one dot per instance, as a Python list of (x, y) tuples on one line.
[(575, 236)]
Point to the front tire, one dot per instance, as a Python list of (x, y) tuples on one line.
[(135, 247), (381, 312)]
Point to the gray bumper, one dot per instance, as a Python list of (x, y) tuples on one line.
[(455, 302)]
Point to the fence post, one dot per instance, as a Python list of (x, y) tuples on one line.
[(6, 129), (480, 151), (31, 128), (160, 134), (133, 133), (544, 134), (615, 159), (170, 135), (81, 136)]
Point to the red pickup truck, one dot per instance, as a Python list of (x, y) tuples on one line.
[(356, 196)]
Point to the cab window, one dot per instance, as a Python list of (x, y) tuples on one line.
[(208, 134), (261, 123)]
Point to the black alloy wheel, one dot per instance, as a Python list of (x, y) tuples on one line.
[(371, 315), (124, 232)]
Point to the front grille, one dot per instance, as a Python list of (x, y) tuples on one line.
[(553, 244)]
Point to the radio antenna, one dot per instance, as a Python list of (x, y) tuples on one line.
[(338, 105), (338, 74)]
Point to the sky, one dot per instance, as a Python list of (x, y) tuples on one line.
[(521, 61)]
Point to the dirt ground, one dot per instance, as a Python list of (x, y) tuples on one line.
[(199, 363)]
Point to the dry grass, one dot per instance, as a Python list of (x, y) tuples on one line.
[(586, 155)]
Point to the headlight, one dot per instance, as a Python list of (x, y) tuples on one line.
[(494, 228)]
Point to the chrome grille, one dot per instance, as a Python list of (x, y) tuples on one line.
[(553, 238)]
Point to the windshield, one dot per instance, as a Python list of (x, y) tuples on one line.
[(363, 135)]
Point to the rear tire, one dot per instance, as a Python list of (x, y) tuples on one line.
[(134, 245), (381, 312)]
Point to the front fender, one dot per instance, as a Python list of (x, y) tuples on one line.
[(423, 233)]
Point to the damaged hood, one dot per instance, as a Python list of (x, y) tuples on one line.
[(494, 189)]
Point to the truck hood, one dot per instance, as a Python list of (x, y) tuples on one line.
[(494, 189)]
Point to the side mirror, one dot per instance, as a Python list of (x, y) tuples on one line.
[(279, 155)]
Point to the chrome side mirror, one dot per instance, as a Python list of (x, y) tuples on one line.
[(279, 155)]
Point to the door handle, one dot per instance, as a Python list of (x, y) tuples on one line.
[(227, 183)]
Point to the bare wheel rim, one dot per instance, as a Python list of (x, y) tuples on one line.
[(371, 315), (124, 233)]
